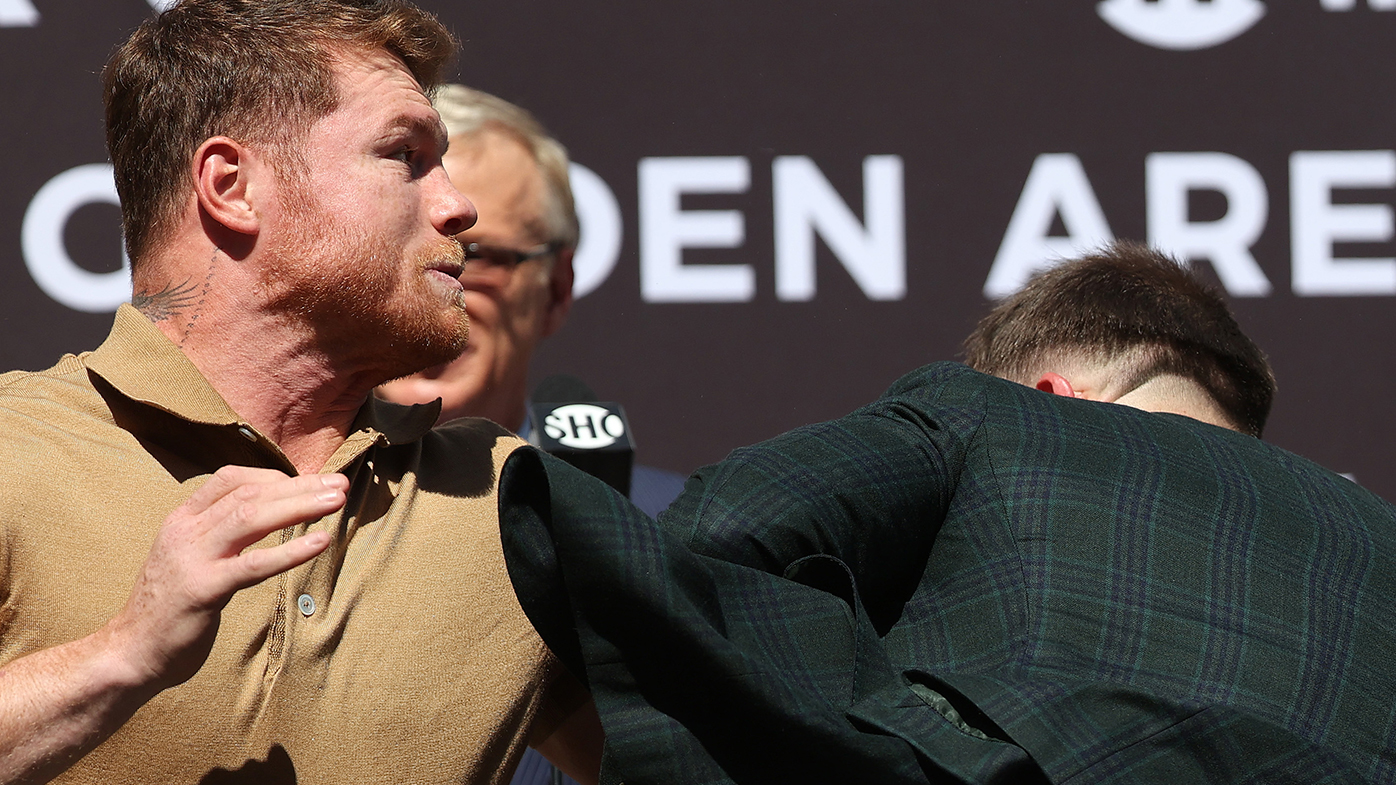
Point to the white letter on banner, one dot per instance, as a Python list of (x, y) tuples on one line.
[(1182, 24), (18, 13), (806, 203), (1348, 5), (1317, 223), (41, 239), (1056, 184), (666, 229), (1225, 242), (598, 216)]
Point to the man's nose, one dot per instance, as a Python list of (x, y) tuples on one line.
[(454, 213)]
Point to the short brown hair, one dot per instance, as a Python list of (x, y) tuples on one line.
[(259, 71), (1129, 299)]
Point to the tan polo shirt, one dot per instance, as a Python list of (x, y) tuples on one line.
[(398, 655)]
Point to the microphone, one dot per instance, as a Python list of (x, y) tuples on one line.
[(594, 436)]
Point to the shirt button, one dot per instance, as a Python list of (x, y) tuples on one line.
[(247, 433), (306, 603)]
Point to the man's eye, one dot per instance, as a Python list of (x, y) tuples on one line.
[(484, 256), (405, 155)]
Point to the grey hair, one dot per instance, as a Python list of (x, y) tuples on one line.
[(466, 111)]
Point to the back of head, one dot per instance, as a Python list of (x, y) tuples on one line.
[(258, 71), (467, 112), (1128, 302)]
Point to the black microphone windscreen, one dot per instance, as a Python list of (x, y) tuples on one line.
[(563, 388), (570, 423)]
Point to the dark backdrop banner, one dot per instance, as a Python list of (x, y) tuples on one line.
[(787, 205)]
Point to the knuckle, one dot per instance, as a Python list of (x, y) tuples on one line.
[(245, 513), (176, 534), (174, 521), (228, 473), (245, 493), (251, 561), (253, 566)]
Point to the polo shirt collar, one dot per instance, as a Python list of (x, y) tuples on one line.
[(397, 423), (146, 366)]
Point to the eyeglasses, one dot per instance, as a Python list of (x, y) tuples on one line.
[(506, 258)]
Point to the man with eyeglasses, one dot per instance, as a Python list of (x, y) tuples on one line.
[(518, 284), (518, 270)]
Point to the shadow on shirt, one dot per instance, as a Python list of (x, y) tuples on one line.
[(277, 769)]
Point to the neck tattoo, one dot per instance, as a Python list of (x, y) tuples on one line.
[(177, 301)]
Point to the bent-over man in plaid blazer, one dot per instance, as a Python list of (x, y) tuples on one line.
[(974, 581)]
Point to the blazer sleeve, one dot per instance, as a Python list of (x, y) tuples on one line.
[(870, 489)]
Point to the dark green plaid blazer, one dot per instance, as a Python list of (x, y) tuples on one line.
[(972, 581)]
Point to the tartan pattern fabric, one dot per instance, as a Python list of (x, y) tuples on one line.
[(972, 581)]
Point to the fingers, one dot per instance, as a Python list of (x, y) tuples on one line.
[(256, 566), (243, 507), (223, 482), (250, 512)]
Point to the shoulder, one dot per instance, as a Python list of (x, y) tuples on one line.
[(472, 430), (1104, 443), (470, 448), (1124, 457), (946, 402), (69, 372), (62, 397), (945, 387), (472, 436), (943, 379)]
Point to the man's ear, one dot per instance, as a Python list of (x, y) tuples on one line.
[(559, 291), (1056, 384), (223, 173)]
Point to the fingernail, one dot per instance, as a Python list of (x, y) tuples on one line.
[(328, 495)]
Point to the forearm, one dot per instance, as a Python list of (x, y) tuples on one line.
[(866, 489), (870, 489), (58, 704)]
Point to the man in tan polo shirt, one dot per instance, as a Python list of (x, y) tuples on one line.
[(327, 602)]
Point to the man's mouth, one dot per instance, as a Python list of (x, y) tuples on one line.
[(448, 264), (449, 267), (448, 273)]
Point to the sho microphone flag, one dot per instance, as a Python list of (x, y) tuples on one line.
[(594, 436)]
